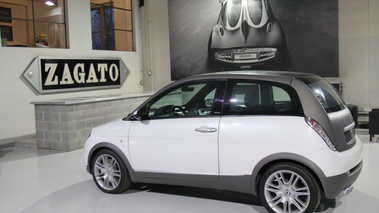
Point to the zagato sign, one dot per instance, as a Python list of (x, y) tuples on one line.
[(57, 75)]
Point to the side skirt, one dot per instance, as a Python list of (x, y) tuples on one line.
[(241, 184)]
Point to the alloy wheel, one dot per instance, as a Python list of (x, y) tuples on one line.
[(107, 172)]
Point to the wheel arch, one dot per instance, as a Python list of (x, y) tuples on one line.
[(105, 145), (271, 160)]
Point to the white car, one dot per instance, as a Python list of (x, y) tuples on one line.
[(287, 138)]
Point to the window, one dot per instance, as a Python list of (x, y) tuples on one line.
[(326, 94), (250, 98), (33, 23), (189, 100), (112, 25)]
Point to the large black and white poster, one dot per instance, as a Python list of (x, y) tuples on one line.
[(215, 35)]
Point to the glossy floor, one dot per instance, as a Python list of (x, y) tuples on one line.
[(43, 181)]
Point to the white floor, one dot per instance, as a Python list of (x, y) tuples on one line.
[(44, 181)]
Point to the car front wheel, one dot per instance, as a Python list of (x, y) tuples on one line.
[(109, 172), (289, 188)]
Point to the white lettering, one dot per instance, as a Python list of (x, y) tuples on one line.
[(66, 77), (92, 78), (113, 72), (80, 73), (102, 68), (79, 77), (51, 78)]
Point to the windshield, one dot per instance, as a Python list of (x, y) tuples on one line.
[(326, 94)]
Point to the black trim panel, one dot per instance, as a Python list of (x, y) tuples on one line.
[(334, 185), (177, 177), (230, 183)]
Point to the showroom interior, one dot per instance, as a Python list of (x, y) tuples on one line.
[(41, 163)]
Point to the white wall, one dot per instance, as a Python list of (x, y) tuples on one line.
[(353, 50), (374, 53), (358, 49), (16, 112), (156, 45)]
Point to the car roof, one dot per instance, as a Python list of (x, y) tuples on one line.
[(251, 74)]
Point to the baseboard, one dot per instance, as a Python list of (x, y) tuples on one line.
[(9, 142)]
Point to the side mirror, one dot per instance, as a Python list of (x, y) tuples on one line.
[(140, 114)]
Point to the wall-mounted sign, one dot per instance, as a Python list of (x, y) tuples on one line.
[(57, 75)]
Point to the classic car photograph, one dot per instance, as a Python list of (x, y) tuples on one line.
[(212, 35), (246, 34)]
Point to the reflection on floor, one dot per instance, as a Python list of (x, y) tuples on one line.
[(39, 181)]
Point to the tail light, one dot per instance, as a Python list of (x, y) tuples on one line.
[(318, 128)]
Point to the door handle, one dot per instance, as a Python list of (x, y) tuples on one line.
[(204, 129)]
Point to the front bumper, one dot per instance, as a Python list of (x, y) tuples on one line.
[(246, 55), (334, 185)]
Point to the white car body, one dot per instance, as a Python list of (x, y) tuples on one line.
[(226, 151)]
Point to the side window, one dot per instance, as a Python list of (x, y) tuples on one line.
[(280, 95), (185, 101), (251, 98), (244, 96), (282, 101)]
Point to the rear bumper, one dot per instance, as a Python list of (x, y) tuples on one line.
[(334, 185)]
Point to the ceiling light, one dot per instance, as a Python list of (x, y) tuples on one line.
[(49, 3)]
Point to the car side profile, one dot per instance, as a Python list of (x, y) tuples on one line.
[(285, 137)]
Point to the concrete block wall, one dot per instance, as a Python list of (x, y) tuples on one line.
[(64, 125)]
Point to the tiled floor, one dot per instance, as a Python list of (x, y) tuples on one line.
[(43, 181)]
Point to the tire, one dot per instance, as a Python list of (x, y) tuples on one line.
[(109, 172), (296, 191)]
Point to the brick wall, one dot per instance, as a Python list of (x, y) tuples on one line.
[(65, 125)]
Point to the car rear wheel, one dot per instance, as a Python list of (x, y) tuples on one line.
[(289, 188), (109, 172)]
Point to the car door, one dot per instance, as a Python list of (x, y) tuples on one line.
[(178, 137), (258, 117)]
